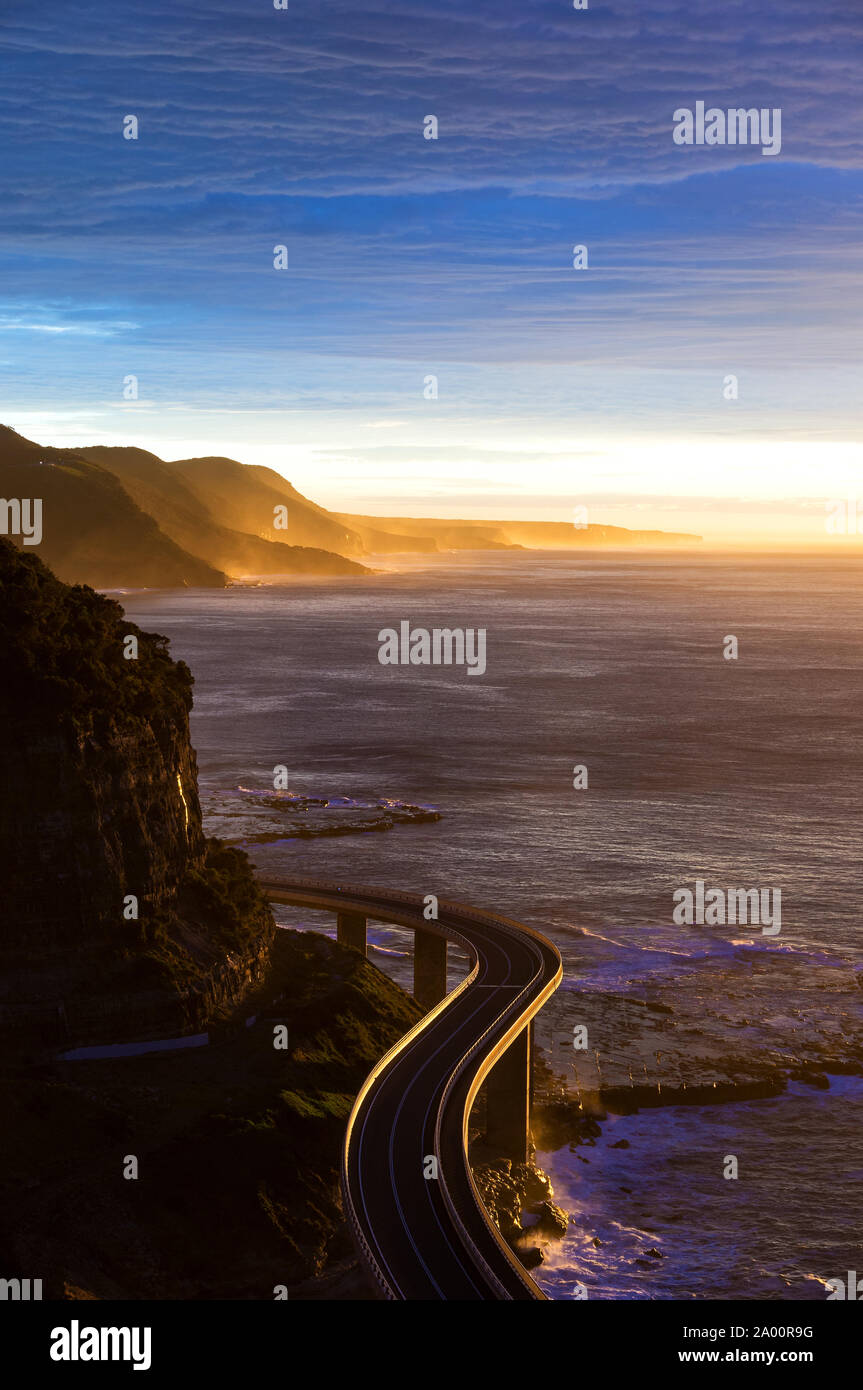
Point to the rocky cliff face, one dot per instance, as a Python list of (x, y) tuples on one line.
[(117, 917)]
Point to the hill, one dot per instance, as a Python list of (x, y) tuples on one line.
[(116, 517), (219, 511), (93, 532)]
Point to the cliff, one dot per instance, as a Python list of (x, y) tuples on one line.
[(92, 530), (117, 918), (239, 1142), (223, 512), (121, 518), (248, 494)]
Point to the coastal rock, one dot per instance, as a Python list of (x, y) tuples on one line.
[(531, 1255), (809, 1077), (255, 817), (559, 1121), (553, 1221), (118, 919), (518, 1199), (532, 1182)]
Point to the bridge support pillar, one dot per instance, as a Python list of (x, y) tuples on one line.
[(429, 968), (508, 1091), (351, 930)]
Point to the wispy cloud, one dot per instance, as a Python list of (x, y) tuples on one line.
[(451, 257)]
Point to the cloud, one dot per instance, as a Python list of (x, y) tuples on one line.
[(453, 256), (84, 330), (530, 96)]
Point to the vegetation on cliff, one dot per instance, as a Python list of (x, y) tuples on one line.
[(119, 919), (63, 652), (238, 1148)]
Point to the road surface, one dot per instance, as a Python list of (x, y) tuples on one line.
[(421, 1238)]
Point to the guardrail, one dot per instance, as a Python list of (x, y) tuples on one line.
[(405, 909)]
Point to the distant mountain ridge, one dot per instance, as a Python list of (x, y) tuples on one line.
[(453, 534), (220, 509), (121, 517), (93, 531)]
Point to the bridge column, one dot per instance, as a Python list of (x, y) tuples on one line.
[(429, 968), (351, 930), (508, 1100)]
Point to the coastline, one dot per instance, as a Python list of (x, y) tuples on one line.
[(622, 651)]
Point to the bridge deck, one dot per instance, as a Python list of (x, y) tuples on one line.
[(433, 1239)]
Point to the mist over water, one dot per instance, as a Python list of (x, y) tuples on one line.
[(740, 773)]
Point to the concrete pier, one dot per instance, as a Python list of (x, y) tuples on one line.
[(508, 1100), (351, 930), (429, 968)]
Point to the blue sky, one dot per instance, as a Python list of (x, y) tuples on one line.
[(410, 257)]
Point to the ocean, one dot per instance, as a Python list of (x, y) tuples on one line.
[(739, 773)]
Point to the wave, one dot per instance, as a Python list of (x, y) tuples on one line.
[(715, 947)]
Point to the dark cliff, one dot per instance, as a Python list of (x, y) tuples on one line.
[(239, 1146), (101, 806), (239, 1142)]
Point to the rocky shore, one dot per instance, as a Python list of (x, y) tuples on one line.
[(247, 817), (691, 1041), (518, 1197)]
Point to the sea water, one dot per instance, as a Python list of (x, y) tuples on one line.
[(740, 773)]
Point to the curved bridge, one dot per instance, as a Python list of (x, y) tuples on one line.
[(427, 1238)]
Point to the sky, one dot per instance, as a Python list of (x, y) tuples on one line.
[(703, 373)]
